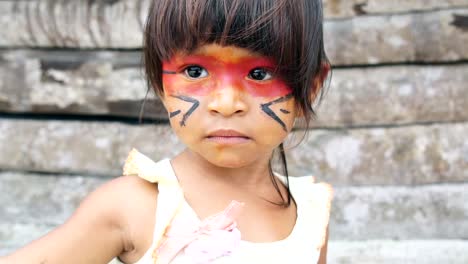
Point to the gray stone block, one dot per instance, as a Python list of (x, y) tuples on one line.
[(44, 201), (111, 83), (397, 212), (33, 204), (94, 148), (79, 23), (399, 155), (427, 36), (91, 83), (344, 9), (398, 251), (422, 37), (395, 95), (16, 235)]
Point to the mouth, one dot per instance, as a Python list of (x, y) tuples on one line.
[(227, 136)]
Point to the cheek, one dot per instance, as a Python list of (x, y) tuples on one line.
[(171, 104), (273, 89), (278, 116), (288, 113), (170, 82)]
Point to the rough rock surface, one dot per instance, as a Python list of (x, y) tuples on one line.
[(395, 95), (111, 83), (402, 155), (97, 24), (398, 251), (32, 204), (399, 155), (91, 83), (421, 37), (94, 148), (349, 8), (400, 212), (118, 24)]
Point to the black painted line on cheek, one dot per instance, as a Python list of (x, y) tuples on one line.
[(172, 114), (195, 105), (266, 108), (169, 72)]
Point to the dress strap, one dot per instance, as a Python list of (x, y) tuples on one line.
[(170, 195), (315, 201), (144, 167)]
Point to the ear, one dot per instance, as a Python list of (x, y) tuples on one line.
[(317, 83)]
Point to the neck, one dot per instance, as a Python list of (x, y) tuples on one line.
[(194, 171), (198, 168)]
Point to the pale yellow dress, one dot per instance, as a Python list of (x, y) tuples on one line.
[(301, 246)]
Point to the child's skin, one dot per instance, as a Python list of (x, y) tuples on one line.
[(212, 95)]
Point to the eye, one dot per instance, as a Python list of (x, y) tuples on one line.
[(195, 72), (260, 74)]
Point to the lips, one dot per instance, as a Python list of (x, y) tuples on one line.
[(227, 136), (226, 133)]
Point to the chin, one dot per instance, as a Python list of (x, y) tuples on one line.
[(231, 161)]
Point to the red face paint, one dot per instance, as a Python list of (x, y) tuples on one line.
[(226, 67)]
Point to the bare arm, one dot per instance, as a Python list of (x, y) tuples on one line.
[(94, 234), (323, 251)]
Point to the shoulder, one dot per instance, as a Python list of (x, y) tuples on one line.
[(122, 201), (121, 193), (116, 198), (134, 202), (131, 185), (126, 203)]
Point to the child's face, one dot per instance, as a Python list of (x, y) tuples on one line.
[(226, 105)]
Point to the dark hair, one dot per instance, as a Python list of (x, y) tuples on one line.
[(289, 31)]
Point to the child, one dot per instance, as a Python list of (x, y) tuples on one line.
[(234, 75)]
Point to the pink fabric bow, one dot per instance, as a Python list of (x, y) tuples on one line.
[(204, 241)]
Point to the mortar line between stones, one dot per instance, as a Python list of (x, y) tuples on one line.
[(70, 49), (406, 185), (403, 63), (376, 126), (74, 174), (83, 118), (76, 54)]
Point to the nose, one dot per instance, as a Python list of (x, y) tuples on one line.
[(227, 101)]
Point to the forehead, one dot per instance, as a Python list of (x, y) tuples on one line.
[(226, 54)]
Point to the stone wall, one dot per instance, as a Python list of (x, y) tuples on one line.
[(390, 133)]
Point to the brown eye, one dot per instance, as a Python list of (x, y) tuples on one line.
[(260, 74), (195, 72)]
